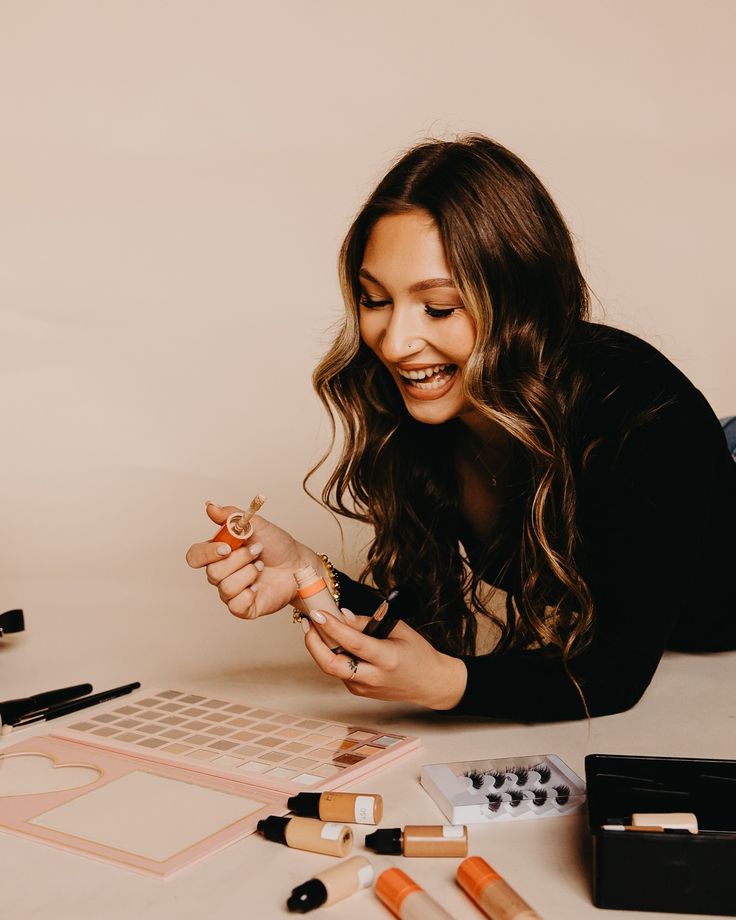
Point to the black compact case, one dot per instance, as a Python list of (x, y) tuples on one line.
[(649, 870)]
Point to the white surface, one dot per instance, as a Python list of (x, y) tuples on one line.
[(113, 631)]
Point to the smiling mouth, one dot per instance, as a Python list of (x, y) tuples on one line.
[(429, 378)]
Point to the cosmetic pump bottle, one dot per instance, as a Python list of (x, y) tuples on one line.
[(308, 834), (349, 807), (334, 884), (420, 840)]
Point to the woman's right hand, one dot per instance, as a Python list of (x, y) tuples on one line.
[(258, 578)]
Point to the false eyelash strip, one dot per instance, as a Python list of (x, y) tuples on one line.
[(494, 801), (563, 794)]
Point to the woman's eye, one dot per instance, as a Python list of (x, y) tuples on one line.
[(372, 304), (437, 313)]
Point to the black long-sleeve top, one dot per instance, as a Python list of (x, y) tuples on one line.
[(657, 519)]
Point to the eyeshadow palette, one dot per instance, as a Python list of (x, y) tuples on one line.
[(271, 749), (167, 777), (476, 791)]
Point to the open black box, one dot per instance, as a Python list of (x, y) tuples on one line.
[(679, 873)]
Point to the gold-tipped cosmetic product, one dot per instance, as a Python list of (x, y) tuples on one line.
[(350, 807), (667, 821), (495, 897), (406, 899), (334, 884), (420, 840), (238, 528), (308, 834)]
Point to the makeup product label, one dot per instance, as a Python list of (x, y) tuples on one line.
[(331, 831), (365, 876), (453, 830), (364, 809)]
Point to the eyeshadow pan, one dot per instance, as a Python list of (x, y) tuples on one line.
[(361, 736), (127, 710), (244, 736), (327, 770), (252, 766), (306, 779), (269, 742), (128, 723), (240, 722), (247, 750), (281, 773), (308, 724), (198, 739), (149, 714), (315, 739), (295, 747), (263, 727), (367, 749), (334, 731), (260, 713), (322, 754), (202, 755), (152, 742), (291, 732), (170, 707), (151, 701), (191, 698), (273, 756), (220, 730), (174, 733), (173, 720), (170, 694), (217, 717), (225, 760), (214, 704), (282, 719), (194, 711), (341, 745), (348, 759), (130, 737), (301, 763), (106, 717), (196, 725), (105, 731), (149, 729), (223, 745), (236, 708), (177, 748), (385, 741), (83, 726)]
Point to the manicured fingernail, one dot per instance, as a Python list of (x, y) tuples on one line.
[(317, 616), (305, 625), (259, 565), (255, 548), (208, 502), (254, 588), (223, 549), (348, 614)]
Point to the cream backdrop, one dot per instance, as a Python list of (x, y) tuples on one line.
[(175, 180)]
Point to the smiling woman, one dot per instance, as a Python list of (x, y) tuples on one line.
[(497, 439)]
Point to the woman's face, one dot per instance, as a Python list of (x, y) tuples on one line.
[(412, 316)]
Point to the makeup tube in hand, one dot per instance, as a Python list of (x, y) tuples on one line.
[(332, 885), (313, 591), (406, 899), (238, 528), (308, 834), (420, 840), (495, 897), (350, 807)]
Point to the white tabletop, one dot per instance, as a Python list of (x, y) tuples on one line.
[(117, 629)]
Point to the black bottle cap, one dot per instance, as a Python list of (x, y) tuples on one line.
[(306, 897), (273, 828), (305, 804), (387, 842)]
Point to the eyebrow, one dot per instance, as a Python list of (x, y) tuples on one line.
[(418, 286)]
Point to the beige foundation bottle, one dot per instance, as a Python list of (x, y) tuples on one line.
[(334, 884), (350, 807), (308, 834), (420, 840)]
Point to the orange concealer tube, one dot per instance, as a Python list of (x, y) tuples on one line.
[(313, 591), (308, 834), (495, 897), (238, 528), (406, 899)]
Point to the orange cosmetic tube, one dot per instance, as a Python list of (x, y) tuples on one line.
[(238, 528), (495, 897), (406, 899)]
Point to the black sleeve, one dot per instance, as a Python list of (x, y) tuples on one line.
[(647, 520), (357, 597)]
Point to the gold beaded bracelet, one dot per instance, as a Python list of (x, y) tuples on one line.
[(333, 586)]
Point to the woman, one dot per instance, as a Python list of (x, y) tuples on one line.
[(495, 437)]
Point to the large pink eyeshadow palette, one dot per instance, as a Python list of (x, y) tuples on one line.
[(263, 747)]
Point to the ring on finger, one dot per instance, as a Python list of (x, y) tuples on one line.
[(353, 665)]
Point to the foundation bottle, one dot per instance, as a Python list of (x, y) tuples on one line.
[(495, 897), (334, 884), (313, 591), (420, 840), (308, 834), (406, 899), (349, 807)]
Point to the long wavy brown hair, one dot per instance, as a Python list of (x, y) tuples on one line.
[(513, 261)]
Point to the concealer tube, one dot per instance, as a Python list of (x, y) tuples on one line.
[(313, 591), (495, 897), (350, 807), (332, 885), (238, 528), (308, 834), (670, 821), (406, 899), (420, 840)]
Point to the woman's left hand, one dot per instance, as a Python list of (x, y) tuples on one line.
[(403, 667)]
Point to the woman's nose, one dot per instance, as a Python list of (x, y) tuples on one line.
[(402, 338)]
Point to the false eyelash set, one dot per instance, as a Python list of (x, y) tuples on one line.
[(538, 786), (519, 787)]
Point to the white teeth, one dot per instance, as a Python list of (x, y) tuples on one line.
[(425, 372)]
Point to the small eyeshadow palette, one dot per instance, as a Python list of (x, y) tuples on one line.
[(476, 791), (167, 777)]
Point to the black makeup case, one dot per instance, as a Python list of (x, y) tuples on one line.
[(648, 870)]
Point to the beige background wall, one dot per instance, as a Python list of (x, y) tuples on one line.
[(175, 180)]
